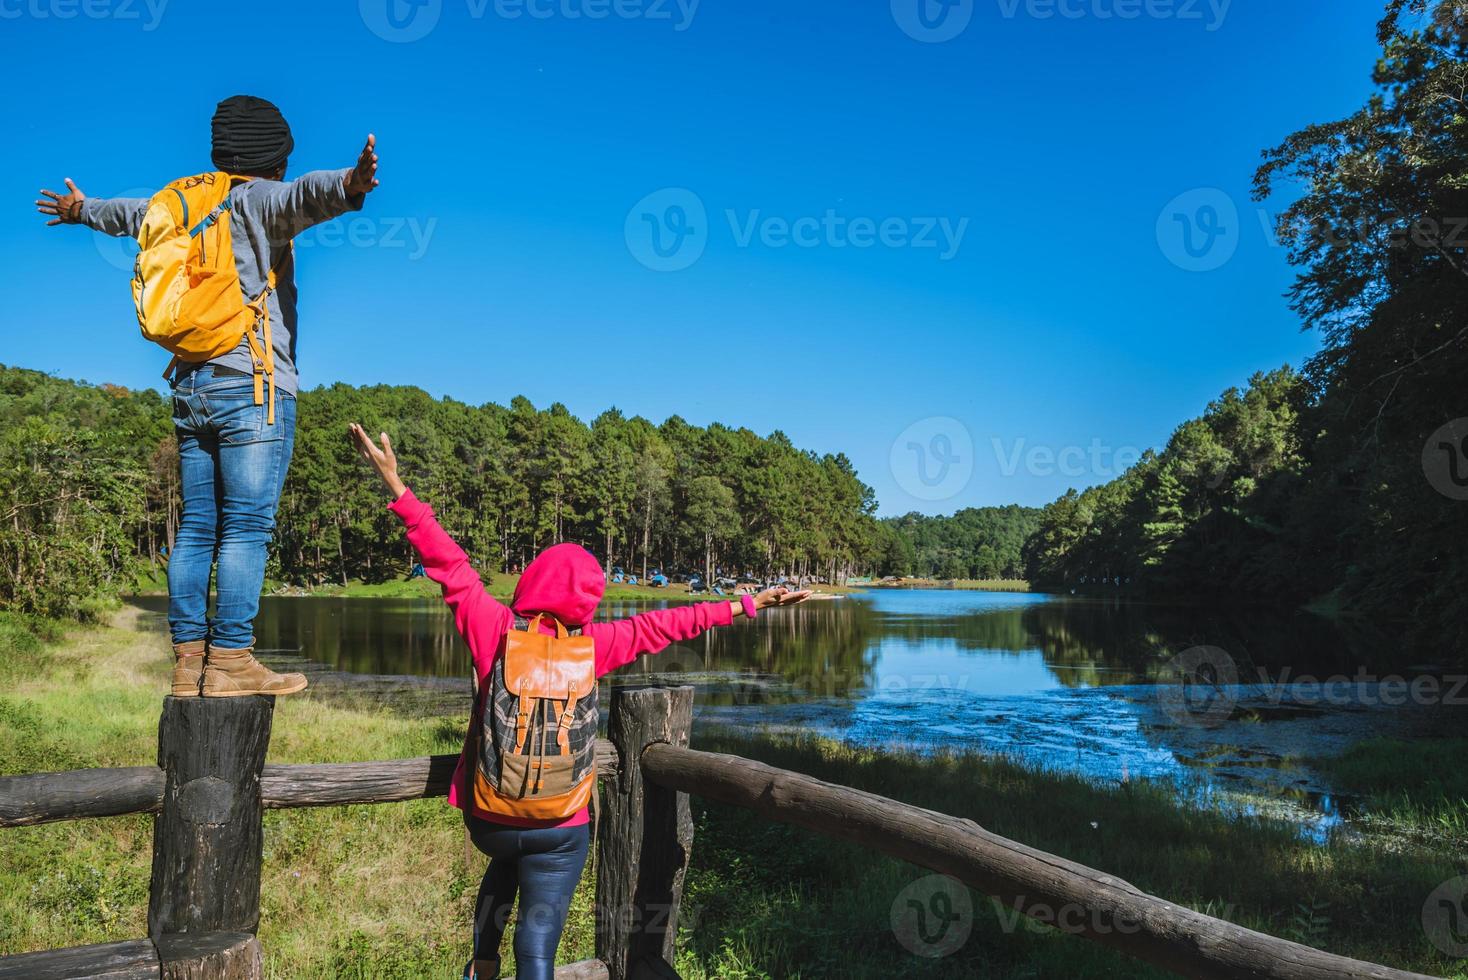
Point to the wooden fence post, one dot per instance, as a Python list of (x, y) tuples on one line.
[(646, 836), (207, 839)]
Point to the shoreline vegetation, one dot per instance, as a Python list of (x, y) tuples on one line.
[(385, 891), (501, 585)]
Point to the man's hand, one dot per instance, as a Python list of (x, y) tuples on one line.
[(780, 596), (65, 209), (364, 175), (382, 458)]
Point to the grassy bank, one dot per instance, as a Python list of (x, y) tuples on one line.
[(352, 891), (769, 895), (1419, 788), (386, 891)]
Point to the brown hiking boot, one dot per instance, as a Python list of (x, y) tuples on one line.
[(188, 668), (236, 673)]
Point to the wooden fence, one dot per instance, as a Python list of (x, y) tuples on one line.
[(212, 785)]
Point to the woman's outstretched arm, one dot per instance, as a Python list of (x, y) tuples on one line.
[(480, 618), (624, 640)]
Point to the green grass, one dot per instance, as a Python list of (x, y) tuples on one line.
[(1419, 786), (773, 901), (386, 891), (364, 891)]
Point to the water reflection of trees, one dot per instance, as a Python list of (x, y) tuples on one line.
[(820, 648), (832, 648), (1117, 642), (366, 636)]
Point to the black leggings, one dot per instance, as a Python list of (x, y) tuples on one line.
[(544, 865)]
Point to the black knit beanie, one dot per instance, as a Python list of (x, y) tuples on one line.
[(250, 137)]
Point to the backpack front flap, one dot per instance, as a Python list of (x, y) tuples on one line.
[(537, 752), (185, 285)]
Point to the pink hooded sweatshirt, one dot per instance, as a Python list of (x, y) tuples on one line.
[(564, 580)]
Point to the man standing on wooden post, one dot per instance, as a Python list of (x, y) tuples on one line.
[(215, 286)]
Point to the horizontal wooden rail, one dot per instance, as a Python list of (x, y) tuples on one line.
[(340, 783), (181, 956), (50, 796), (1075, 898), (226, 956), (47, 796)]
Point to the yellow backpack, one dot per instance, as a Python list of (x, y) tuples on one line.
[(185, 285)]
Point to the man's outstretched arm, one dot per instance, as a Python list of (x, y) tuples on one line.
[(295, 205), (117, 216)]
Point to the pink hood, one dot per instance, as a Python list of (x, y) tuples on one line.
[(564, 580)]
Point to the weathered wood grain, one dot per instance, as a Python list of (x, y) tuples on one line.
[(584, 970), (211, 956), (47, 796), (207, 840), (132, 960), (1078, 899), (388, 781), (645, 836)]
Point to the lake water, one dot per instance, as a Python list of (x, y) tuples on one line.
[(1079, 685)]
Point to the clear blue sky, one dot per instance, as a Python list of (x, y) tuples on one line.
[(502, 256)]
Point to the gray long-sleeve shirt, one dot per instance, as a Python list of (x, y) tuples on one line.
[(265, 216)]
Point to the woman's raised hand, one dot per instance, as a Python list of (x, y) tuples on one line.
[(382, 458), (779, 596)]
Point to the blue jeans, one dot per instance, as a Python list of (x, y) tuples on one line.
[(543, 865), (232, 466)]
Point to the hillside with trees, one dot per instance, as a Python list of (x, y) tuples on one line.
[(975, 543), (1344, 482)]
